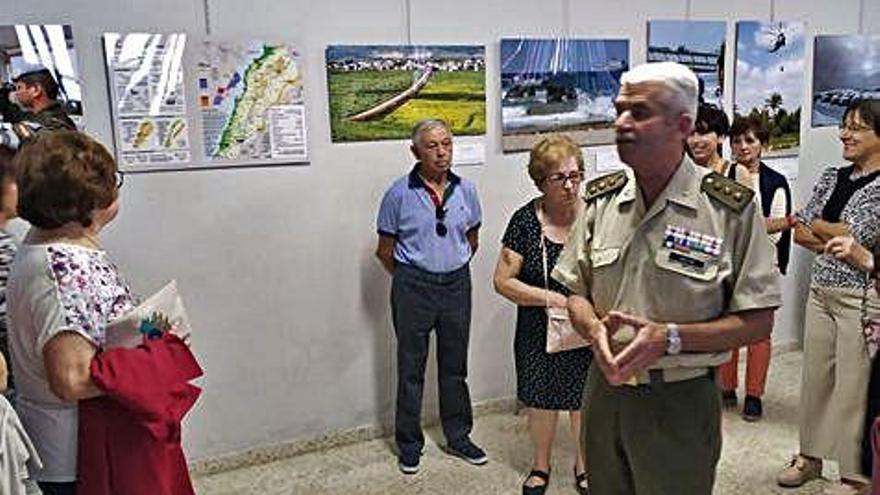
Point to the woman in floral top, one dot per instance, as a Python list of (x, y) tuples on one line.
[(63, 290), (845, 202)]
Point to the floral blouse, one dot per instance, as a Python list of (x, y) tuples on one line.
[(90, 290), (861, 213)]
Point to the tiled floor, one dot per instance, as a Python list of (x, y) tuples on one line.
[(752, 454)]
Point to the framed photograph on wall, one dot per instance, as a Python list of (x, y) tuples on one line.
[(699, 45), (845, 68), (560, 85), (769, 80), (35, 47), (379, 92)]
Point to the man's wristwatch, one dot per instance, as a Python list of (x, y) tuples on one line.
[(673, 339)]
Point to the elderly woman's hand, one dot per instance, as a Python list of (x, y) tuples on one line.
[(847, 249), (828, 230), (557, 300)]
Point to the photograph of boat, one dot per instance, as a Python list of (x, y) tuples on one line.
[(379, 92), (845, 68), (559, 85)]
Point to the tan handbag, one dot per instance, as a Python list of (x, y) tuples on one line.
[(561, 335)]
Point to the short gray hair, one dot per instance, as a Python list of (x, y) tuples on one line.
[(680, 81), (425, 126)]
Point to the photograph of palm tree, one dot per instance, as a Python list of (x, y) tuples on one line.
[(769, 80)]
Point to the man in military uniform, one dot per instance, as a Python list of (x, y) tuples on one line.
[(36, 101), (670, 267)]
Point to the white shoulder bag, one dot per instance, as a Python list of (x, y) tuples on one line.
[(561, 335)]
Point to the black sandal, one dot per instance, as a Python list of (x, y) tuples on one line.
[(580, 482), (536, 490)]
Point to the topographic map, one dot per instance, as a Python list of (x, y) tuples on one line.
[(250, 96)]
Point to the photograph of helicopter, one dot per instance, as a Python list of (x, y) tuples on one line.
[(769, 80)]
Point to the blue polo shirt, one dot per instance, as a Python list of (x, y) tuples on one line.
[(408, 214)]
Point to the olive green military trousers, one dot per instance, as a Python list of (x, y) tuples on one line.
[(655, 439)]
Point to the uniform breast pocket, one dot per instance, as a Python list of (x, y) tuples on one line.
[(603, 256), (695, 265)]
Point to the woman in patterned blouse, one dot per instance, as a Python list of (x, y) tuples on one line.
[(845, 202), (63, 290), (8, 202)]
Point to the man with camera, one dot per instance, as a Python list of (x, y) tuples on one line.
[(29, 104)]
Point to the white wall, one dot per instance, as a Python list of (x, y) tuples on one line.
[(276, 263)]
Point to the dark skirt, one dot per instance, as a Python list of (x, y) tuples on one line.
[(546, 381)]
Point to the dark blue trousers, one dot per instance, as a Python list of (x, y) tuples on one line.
[(422, 301)]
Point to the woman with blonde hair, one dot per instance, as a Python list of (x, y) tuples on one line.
[(546, 383)]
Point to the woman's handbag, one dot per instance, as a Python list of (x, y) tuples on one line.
[(561, 335)]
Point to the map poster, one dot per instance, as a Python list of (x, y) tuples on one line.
[(145, 75), (250, 99)]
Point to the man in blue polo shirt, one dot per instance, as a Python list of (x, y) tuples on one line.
[(428, 227)]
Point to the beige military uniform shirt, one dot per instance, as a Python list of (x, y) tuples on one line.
[(694, 255)]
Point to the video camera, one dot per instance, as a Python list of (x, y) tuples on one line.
[(13, 136)]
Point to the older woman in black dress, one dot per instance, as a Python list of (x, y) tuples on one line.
[(546, 383)]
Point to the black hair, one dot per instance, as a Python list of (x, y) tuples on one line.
[(42, 78), (712, 119)]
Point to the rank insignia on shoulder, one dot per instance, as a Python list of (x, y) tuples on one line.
[(727, 191), (605, 184)]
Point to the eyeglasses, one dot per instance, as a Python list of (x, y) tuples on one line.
[(120, 179), (854, 128), (440, 215), (559, 178)]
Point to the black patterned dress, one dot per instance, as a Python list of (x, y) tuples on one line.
[(543, 381)]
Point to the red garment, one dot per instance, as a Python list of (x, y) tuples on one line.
[(756, 370), (129, 440)]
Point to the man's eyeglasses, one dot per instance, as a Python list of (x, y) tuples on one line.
[(854, 128), (559, 178), (440, 227), (120, 179)]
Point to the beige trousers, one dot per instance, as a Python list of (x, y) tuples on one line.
[(836, 370)]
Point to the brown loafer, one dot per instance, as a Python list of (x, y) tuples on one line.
[(801, 470)]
